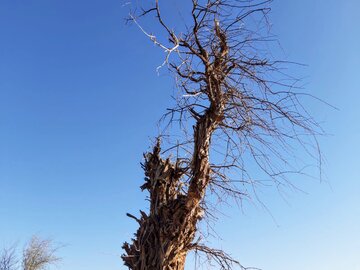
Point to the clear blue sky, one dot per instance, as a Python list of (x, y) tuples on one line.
[(79, 101)]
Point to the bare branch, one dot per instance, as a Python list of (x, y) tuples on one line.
[(237, 114), (8, 259)]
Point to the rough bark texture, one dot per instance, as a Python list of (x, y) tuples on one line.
[(165, 234)]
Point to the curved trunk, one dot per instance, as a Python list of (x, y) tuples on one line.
[(166, 234)]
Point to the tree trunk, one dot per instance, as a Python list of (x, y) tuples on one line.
[(165, 235)]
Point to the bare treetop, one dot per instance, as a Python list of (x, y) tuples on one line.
[(225, 73), (39, 254)]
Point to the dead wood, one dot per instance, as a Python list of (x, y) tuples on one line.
[(231, 102)]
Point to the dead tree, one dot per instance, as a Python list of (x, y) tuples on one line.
[(234, 107)]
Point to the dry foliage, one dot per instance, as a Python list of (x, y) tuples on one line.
[(39, 254)]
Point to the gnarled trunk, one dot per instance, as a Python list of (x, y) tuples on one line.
[(166, 233)]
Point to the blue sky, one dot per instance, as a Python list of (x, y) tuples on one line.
[(79, 101)]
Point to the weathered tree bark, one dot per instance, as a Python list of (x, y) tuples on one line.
[(165, 234)]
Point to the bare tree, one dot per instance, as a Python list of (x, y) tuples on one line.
[(235, 110), (8, 259), (39, 254)]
